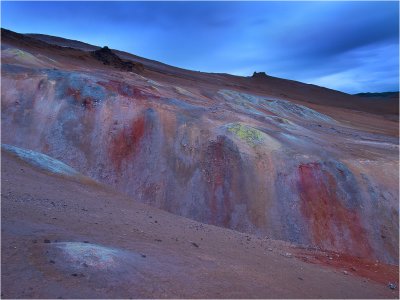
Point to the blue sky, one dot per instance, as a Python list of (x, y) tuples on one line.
[(348, 46)]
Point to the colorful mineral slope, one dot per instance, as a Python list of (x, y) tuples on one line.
[(64, 239), (219, 149)]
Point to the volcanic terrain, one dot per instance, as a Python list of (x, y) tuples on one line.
[(124, 177)]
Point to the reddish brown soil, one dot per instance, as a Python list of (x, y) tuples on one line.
[(372, 270)]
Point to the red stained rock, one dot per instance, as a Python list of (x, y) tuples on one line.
[(127, 142), (330, 223), (220, 199)]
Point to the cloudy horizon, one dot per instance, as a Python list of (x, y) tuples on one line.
[(348, 46)]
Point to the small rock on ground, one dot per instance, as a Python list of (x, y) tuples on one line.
[(392, 286)]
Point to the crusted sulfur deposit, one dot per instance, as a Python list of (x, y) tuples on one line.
[(249, 134)]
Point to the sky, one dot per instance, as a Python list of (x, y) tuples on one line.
[(348, 46)]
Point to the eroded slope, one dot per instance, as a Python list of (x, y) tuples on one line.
[(63, 238), (212, 149)]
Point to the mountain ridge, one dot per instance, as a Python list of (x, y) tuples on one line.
[(348, 100)]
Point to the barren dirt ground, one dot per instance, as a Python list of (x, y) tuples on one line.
[(72, 239)]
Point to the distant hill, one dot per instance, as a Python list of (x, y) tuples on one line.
[(379, 95)]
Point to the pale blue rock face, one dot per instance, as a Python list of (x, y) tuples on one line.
[(40, 160), (281, 108)]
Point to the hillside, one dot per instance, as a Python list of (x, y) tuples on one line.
[(100, 244), (259, 155)]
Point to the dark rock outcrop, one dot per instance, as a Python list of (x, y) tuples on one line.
[(107, 57), (259, 75)]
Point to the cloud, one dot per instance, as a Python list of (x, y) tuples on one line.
[(370, 68), (351, 46)]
